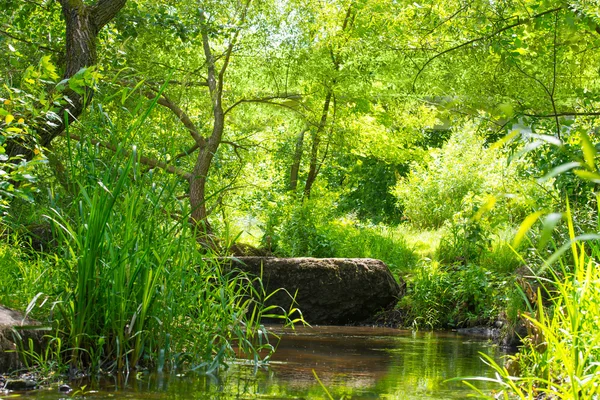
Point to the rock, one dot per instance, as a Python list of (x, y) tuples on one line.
[(20, 384), (65, 389), (10, 335), (329, 290)]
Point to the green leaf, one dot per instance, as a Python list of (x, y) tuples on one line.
[(588, 175), (548, 226), (506, 110), (525, 227), (48, 69), (559, 170), (500, 143), (589, 151)]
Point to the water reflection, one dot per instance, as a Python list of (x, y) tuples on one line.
[(381, 363), (352, 362)]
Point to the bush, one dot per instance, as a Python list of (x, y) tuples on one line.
[(310, 230), (464, 242), (456, 296), (349, 239), (465, 176), (24, 274), (302, 232)]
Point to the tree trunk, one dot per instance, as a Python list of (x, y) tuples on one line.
[(314, 153), (296, 161), (200, 177), (215, 79), (83, 23)]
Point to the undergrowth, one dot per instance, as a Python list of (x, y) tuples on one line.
[(560, 356), (126, 285)]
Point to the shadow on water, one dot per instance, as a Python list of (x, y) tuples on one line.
[(352, 362)]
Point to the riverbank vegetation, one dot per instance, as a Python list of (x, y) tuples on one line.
[(456, 141)]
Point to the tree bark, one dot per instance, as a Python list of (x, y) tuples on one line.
[(316, 141), (200, 177), (83, 23), (296, 161), (208, 151)]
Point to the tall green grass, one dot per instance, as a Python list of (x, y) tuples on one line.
[(130, 286), (560, 357), (123, 284)]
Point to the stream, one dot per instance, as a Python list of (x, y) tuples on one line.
[(351, 362)]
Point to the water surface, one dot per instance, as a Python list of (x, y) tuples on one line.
[(351, 362)]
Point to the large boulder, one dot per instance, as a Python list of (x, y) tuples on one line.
[(327, 290), (16, 329)]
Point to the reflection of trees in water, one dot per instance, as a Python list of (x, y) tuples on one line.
[(405, 365), (421, 365), (348, 360)]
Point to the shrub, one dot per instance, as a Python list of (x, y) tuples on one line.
[(454, 296), (465, 176), (350, 239), (310, 230), (302, 234)]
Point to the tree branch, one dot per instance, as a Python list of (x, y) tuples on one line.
[(554, 65), (451, 17), (105, 10), (222, 193), (210, 60), (564, 114), (268, 100), (187, 152), (194, 72), (165, 101), (482, 38), (232, 44), (12, 36), (236, 148), (548, 92), (151, 162), (180, 83)]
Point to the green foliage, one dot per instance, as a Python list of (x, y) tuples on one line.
[(351, 239), (463, 178), (366, 190), (453, 296), (301, 232), (433, 193), (560, 355), (311, 229), (20, 107), (126, 283), (128, 287), (26, 274), (464, 242), (469, 240)]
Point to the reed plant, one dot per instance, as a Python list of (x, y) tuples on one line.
[(132, 287), (124, 284), (560, 357)]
